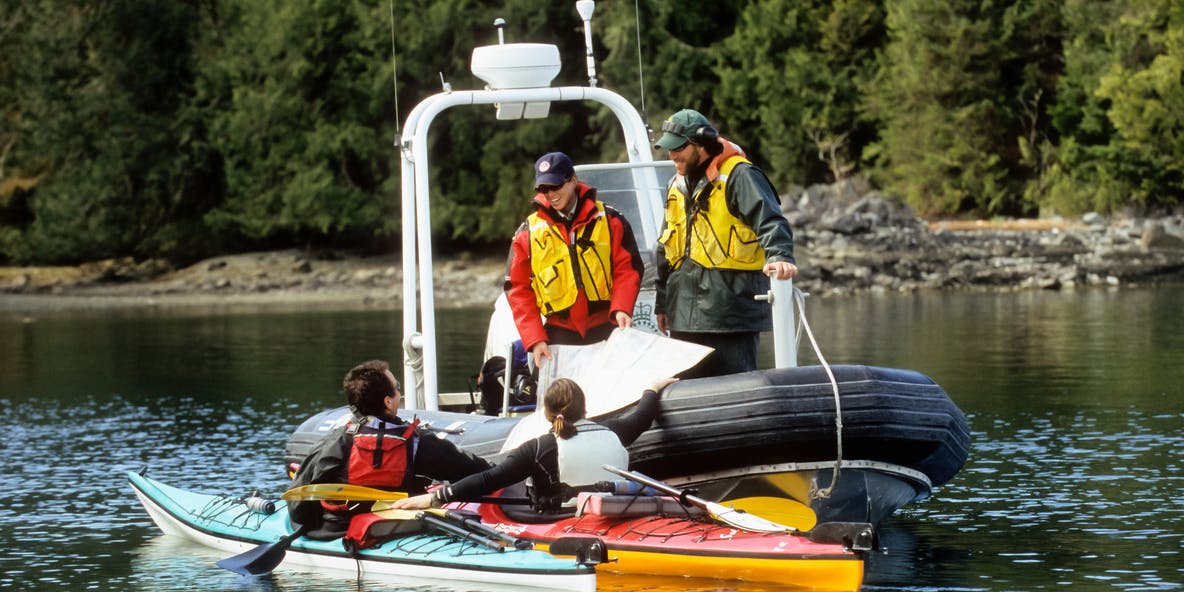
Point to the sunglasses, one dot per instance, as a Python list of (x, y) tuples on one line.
[(549, 188), (677, 129)]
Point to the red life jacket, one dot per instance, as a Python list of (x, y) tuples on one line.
[(381, 457), (371, 530)]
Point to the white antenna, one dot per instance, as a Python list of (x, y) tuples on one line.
[(640, 71), (585, 8), (500, 23), (395, 73)]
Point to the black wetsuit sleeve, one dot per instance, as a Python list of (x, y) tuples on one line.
[(441, 460), (518, 465), (630, 425)]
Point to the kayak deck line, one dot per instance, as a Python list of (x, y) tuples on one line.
[(216, 521), (688, 544)]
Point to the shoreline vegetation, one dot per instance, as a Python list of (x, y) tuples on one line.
[(847, 242), (185, 130)]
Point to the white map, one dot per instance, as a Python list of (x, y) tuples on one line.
[(613, 374)]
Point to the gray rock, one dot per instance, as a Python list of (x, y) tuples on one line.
[(1156, 236)]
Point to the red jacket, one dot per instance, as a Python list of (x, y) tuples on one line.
[(626, 273)]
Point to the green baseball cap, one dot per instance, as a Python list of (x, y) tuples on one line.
[(679, 128)]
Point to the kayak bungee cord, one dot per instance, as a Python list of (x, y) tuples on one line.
[(824, 493)]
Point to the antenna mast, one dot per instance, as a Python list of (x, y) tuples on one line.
[(585, 8), (395, 73)]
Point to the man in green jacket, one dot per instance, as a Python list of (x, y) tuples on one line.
[(722, 239)]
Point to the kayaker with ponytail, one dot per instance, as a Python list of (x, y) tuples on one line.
[(562, 462)]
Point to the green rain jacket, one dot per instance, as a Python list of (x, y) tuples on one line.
[(705, 300)]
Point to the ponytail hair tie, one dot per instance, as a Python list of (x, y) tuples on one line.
[(560, 416)]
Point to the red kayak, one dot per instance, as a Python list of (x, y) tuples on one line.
[(651, 535)]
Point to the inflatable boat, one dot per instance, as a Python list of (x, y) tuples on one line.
[(853, 442), (768, 432)]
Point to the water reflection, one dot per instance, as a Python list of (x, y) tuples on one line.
[(1073, 398), (188, 566), (1089, 501)]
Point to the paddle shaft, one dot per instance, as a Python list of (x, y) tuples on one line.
[(660, 486), (460, 520), (456, 530), (358, 493), (477, 525), (730, 516)]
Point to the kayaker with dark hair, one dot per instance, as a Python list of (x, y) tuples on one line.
[(376, 448), (562, 462)]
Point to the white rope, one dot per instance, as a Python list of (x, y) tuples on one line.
[(413, 357), (800, 297)]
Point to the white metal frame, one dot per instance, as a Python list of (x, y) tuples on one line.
[(419, 320)]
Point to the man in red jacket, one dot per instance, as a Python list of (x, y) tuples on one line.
[(574, 261)]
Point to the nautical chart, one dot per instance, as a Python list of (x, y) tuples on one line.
[(612, 373)]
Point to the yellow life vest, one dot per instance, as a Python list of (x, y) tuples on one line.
[(554, 277), (718, 239)]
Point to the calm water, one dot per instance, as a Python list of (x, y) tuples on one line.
[(1075, 400)]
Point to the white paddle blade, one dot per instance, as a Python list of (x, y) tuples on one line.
[(744, 521)]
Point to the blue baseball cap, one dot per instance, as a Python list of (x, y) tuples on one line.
[(553, 168)]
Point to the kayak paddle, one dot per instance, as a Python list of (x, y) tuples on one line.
[(468, 521), (431, 518), (340, 491), (780, 509), (261, 559), (731, 516)]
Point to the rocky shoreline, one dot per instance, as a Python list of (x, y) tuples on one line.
[(849, 240), (852, 240), (273, 280)]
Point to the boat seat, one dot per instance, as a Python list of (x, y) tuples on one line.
[(606, 504)]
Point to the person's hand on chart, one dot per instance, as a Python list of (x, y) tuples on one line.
[(624, 321), (540, 352)]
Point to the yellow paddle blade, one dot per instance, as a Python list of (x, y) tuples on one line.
[(341, 492), (796, 485), (385, 506), (778, 509), (387, 503), (393, 514)]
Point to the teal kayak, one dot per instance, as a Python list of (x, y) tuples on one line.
[(229, 524)]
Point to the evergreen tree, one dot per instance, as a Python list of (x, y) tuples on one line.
[(960, 83), (299, 98), (792, 80), (1078, 178), (681, 45), (99, 88), (14, 180), (1145, 88)]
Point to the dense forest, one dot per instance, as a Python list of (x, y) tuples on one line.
[(186, 129)]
